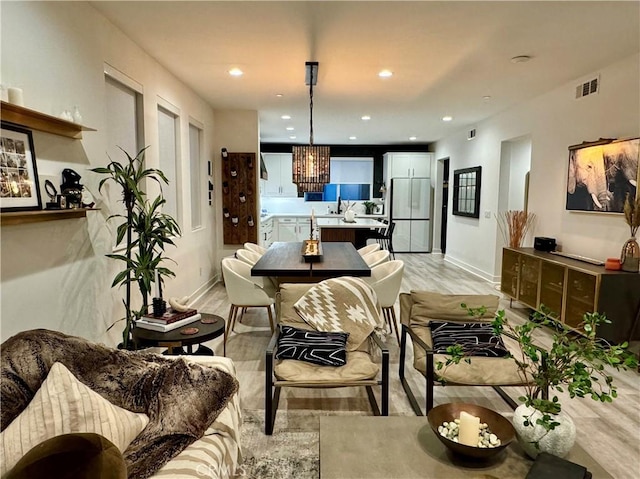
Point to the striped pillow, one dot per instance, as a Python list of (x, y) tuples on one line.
[(64, 405), (324, 348)]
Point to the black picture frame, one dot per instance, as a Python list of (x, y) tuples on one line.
[(466, 191), (19, 185), (600, 175)]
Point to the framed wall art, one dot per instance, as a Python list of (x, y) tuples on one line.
[(601, 174), (466, 192), (19, 188)]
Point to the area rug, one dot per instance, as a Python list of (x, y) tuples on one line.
[(292, 452)]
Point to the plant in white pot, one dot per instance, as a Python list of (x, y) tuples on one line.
[(578, 364)]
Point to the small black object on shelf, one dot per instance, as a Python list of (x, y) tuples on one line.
[(159, 307)]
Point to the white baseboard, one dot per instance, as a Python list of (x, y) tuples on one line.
[(203, 289), (473, 270)]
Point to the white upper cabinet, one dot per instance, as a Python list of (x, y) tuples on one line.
[(407, 165), (280, 170)]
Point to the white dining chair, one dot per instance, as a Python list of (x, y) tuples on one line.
[(248, 256), (376, 258), (245, 291), (385, 280), (255, 248), (370, 248)]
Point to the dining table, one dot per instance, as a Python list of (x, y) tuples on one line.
[(285, 262)]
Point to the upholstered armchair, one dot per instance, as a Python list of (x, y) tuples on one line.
[(418, 312), (362, 367)]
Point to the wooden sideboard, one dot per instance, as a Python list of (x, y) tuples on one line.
[(570, 288)]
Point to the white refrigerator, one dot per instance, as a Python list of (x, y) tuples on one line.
[(411, 212)]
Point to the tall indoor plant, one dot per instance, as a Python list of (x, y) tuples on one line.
[(575, 362), (146, 232)]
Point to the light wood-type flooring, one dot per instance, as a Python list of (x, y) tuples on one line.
[(608, 432)]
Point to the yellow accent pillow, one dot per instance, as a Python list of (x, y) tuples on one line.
[(64, 405)]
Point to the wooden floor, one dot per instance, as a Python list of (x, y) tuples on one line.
[(609, 432)]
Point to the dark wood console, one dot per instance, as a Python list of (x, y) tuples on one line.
[(570, 288)]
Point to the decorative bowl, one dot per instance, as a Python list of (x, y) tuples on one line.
[(499, 425)]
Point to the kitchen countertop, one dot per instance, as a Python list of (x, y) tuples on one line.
[(303, 215), (337, 222)]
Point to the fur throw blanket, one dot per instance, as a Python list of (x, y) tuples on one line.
[(181, 399)]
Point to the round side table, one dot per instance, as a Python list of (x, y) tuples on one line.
[(174, 340)]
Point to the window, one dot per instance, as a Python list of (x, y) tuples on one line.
[(195, 169), (124, 129), (168, 154), (466, 192)]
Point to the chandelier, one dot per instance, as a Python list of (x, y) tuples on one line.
[(311, 163)]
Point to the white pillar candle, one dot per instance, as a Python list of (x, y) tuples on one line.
[(15, 96), (469, 429)]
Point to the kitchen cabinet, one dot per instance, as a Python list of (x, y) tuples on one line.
[(280, 170), (266, 233), (294, 228), (406, 165), (571, 288)]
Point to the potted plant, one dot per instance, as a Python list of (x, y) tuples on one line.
[(630, 255), (576, 363), (368, 207), (146, 232)]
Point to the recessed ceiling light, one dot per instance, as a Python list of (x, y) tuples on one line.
[(236, 72), (292, 137), (486, 98), (447, 118), (385, 73), (521, 59), (286, 117), (366, 117), (290, 128), (352, 138), (279, 95), (413, 138)]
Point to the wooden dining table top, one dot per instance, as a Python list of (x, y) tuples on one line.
[(284, 259)]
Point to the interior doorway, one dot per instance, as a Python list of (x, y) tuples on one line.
[(445, 205), (513, 192)]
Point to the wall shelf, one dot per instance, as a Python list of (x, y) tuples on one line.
[(24, 217), (40, 121)]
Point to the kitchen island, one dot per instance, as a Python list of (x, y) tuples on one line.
[(357, 233)]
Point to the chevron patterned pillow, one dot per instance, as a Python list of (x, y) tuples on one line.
[(324, 348)]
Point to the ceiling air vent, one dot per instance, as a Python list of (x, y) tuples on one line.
[(472, 134), (588, 88)]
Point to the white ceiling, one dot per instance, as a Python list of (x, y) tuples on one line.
[(446, 56)]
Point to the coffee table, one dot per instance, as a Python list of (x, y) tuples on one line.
[(405, 447), (174, 340)]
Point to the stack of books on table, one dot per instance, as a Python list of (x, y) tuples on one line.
[(168, 321)]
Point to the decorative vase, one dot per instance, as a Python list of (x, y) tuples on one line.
[(557, 441), (349, 216), (630, 255)]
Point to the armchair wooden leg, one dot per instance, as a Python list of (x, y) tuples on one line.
[(403, 380), (430, 378), (271, 392)]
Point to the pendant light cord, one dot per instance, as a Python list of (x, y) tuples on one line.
[(311, 113)]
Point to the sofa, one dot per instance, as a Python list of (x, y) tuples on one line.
[(170, 417)]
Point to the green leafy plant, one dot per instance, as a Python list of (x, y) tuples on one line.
[(368, 207), (146, 232), (577, 363)]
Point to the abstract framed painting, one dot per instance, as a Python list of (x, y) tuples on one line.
[(19, 187), (601, 174)]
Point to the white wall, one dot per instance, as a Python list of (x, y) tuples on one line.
[(55, 274), (553, 122)]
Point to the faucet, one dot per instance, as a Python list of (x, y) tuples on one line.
[(339, 201)]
